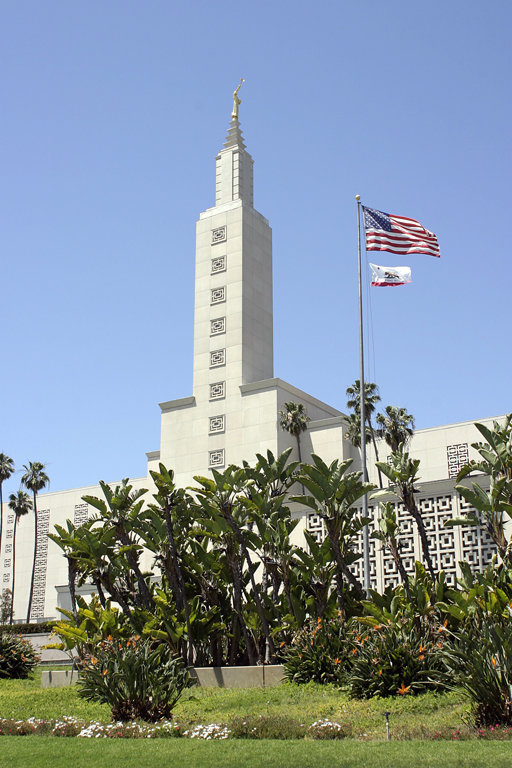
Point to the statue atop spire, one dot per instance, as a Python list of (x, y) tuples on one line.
[(236, 100)]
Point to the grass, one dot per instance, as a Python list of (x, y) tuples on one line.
[(409, 718), (48, 752)]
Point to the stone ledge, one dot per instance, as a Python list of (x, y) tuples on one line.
[(263, 676)]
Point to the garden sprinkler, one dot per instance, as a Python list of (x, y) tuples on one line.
[(387, 714)]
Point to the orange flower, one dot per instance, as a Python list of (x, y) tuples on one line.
[(421, 656), (354, 652), (374, 659), (281, 644), (137, 637), (422, 648), (104, 673), (337, 661), (404, 689), (128, 644), (94, 661), (380, 671), (494, 660), (109, 638)]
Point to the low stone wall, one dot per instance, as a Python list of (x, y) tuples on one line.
[(48, 655), (263, 676)]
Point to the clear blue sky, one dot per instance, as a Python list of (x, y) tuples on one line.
[(112, 114)]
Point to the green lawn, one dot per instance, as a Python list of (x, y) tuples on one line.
[(410, 716), (48, 752)]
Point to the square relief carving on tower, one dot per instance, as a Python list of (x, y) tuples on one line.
[(218, 295), (218, 264), (216, 424), (457, 456), (219, 235), (216, 458), (217, 391), (217, 358), (217, 326)]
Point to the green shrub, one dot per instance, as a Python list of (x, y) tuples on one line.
[(318, 653), (17, 657), (480, 662), (28, 629), (398, 658), (94, 623), (135, 678)]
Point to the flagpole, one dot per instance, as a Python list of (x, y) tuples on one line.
[(366, 535)]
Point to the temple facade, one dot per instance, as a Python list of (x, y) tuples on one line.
[(233, 411)]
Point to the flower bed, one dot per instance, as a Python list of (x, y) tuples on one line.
[(260, 727)]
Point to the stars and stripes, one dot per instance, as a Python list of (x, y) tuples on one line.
[(382, 276), (397, 234)]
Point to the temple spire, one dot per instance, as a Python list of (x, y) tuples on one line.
[(234, 136), (234, 165)]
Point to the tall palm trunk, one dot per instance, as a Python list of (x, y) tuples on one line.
[(31, 594), (13, 566), (374, 442)]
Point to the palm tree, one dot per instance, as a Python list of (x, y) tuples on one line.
[(396, 426), (20, 504), (371, 398), (6, 470), (34, 479), (294, 419)]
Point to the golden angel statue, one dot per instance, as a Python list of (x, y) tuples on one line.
[(236, 101)]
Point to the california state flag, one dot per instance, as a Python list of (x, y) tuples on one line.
[(390, 275)]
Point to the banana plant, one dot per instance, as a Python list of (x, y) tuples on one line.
[(493, 506), (403, 474), (224, 501), (388, 533), (333, 494)]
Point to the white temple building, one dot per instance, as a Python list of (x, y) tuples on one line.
[(233, 410)]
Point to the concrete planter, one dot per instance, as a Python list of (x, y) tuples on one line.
[(263, 676)]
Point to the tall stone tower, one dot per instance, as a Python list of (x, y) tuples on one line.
[(233, 412)]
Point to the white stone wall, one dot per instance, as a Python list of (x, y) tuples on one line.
[(51, 567)]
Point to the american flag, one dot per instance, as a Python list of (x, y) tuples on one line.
[(397, 234)]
